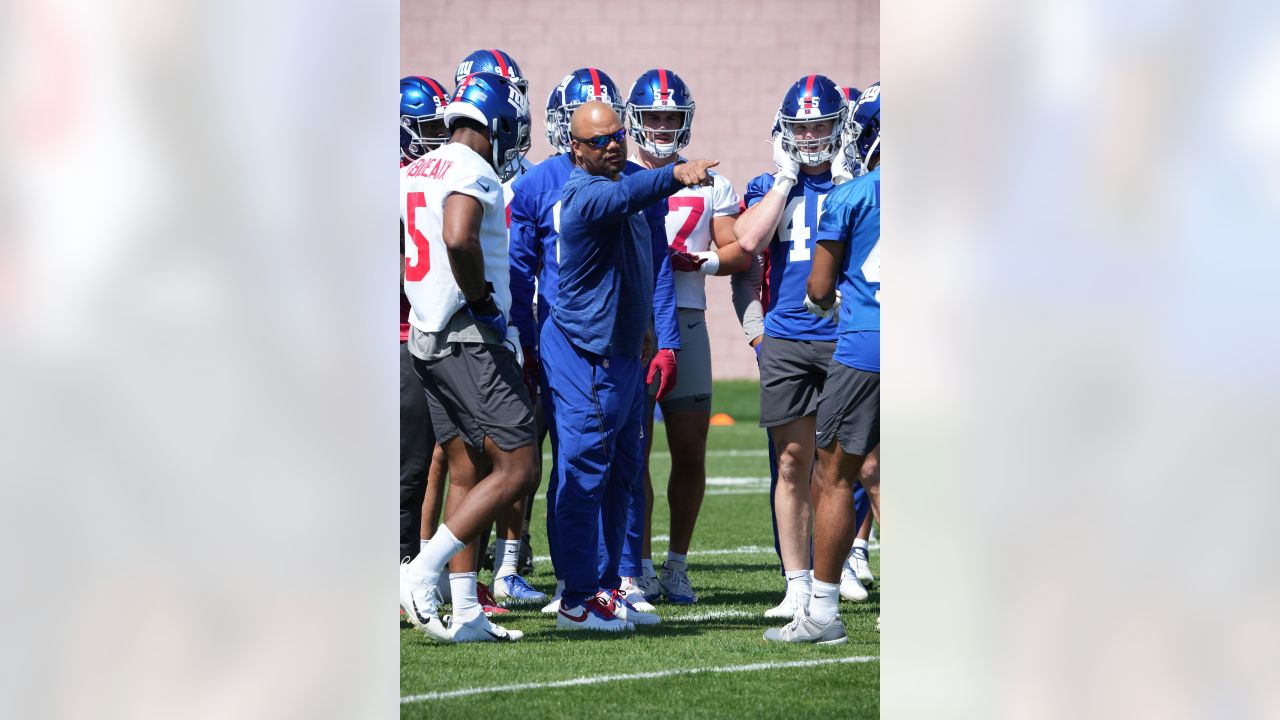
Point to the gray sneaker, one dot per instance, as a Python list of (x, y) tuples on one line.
[(804, 629)]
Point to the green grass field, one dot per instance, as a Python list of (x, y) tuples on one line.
[(699, 649)]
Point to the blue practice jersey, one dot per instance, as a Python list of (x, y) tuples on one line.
[(534, 235), (852, 217), (790, 255)]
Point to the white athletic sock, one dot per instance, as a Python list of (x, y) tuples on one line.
[(860, 543), (508, 553), (427, 567), (424, 542), (465, 604), (798, 581), (676, 561), (824, 603), (647, 565)]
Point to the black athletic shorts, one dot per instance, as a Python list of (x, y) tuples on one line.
[(791, 377), (849, 409), (478, 390)]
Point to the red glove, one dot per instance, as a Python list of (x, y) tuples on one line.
[(532, 372), (685, 262), (665, 363)]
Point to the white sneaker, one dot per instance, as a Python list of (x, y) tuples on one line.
[(553, 607), (631, 612), (850, 588), (481, 629), (421, 607), (804, 629), (634, 595), (791, 604), (862, 566), (597, 613), (676, 586)]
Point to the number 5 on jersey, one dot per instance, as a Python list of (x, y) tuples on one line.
[(418, 264)]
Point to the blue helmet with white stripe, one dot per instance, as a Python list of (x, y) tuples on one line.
[(580, 86), (498, 105), (660, 90), (812, 99)]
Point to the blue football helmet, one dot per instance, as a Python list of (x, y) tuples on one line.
[(497, 104), (422, 103), (578, 87), (660, 90), (851, 94), (862, 143), (813, 98), (492, 61)]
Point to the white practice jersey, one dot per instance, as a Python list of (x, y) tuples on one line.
[(428, 278), (689, 214)]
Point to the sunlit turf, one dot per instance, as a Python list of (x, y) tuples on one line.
[(734, 590)]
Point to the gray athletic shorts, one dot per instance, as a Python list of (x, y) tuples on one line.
[(791, 377), (849, 409), (477, 390), (693, 366)]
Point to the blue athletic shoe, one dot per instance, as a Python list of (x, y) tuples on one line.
[(514, 590)]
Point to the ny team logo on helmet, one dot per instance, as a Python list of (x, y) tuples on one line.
[(492, 61), (497, 104), (813, 98), (580, 86), (422, 102), (660, 90), (862, 142)]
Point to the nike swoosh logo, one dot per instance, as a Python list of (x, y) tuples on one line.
[(482, 185), (495, 635), (575, 619), (693, 325)]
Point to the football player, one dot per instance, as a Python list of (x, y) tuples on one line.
[(456, 278), (848, 427), (422, 103), (509, 587), (699, 232), (782, 213)]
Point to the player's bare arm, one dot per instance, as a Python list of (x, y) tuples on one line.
[(733, 258), (461, 234), (827, 256)]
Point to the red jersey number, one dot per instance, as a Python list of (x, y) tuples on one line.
[(696, 205), (417, 269)]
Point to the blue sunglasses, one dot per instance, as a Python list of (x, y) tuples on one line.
[(601, 142)]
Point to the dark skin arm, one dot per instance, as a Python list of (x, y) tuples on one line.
[(827, 257), (461, 233)]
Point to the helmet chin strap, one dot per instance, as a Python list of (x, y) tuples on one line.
[(875, 147)]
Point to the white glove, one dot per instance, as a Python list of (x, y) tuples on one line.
[(832, 313), (788, 168)]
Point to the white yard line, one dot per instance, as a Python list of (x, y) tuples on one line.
[(598, 679), (713, 615)]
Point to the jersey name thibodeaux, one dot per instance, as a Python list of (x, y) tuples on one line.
[(688, 221), (428, 277)]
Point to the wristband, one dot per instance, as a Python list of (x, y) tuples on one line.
[(782, 183), (712, 263)]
